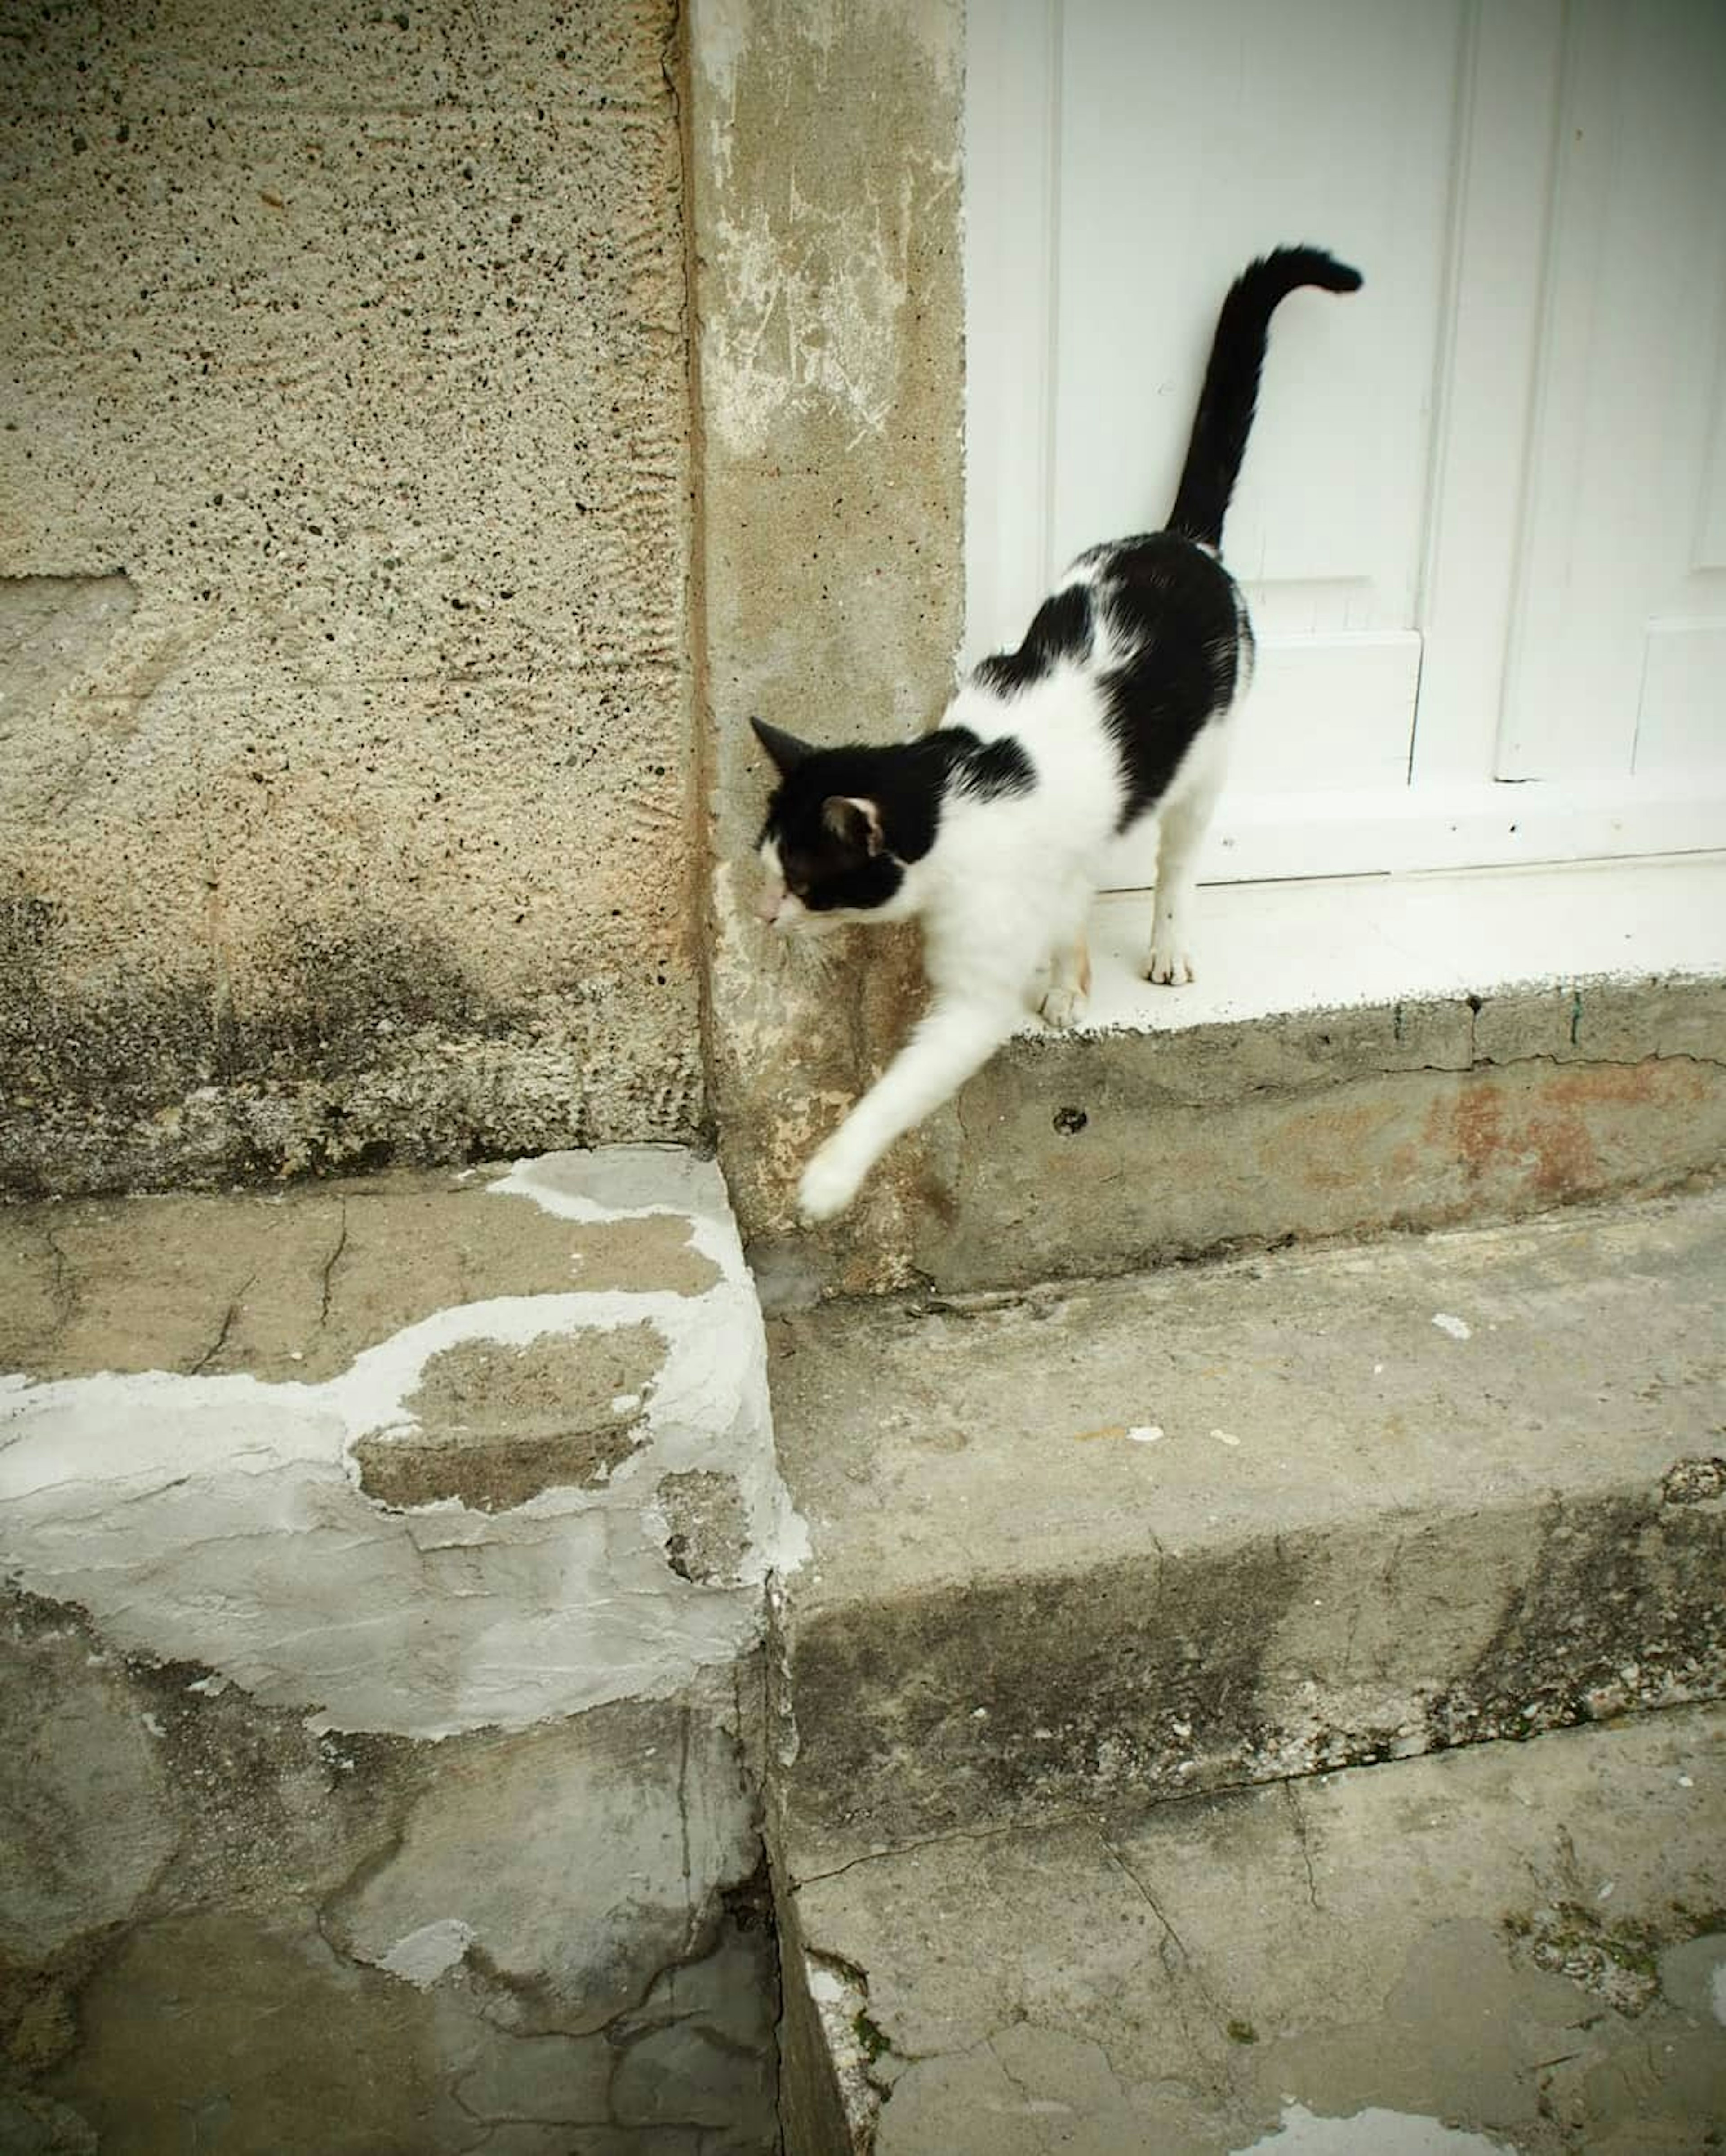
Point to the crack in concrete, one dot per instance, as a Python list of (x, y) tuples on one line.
[(329, 1266), (1020, 2090), (1149, 1900), (1333, 1080), (1153, 1801), (491, 2120), (1180, 1972), (683, 1813), (1596, 1062), (933, 1841), (220, 1340), (66, 1297), (1300, 1818)]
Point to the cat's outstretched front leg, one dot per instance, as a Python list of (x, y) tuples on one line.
[(957, 1036)]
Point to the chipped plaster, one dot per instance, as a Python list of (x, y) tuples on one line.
[(223, 1518)]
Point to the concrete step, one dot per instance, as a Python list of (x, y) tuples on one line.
[(1224, 1525), (1157, 1133), (1510, 1947), (380, 1577), (1359, 1055)]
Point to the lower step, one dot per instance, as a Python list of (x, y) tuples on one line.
[(1513, 1947), (1225, 1525)]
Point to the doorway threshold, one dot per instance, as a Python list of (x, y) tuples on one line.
[(1326, 943)]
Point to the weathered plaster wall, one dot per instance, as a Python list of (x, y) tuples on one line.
[(346, 791), (826, 190), (382, 1573)]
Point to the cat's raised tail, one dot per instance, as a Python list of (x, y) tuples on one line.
[(1231, 392)]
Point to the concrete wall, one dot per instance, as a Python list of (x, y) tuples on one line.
[(826, 187), (345, 776)]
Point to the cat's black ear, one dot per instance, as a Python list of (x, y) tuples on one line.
[(856, 821), (786, 750)]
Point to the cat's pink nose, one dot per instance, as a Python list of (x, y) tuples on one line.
[(768, 904)]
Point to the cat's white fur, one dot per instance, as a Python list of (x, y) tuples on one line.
[(1003, 894)]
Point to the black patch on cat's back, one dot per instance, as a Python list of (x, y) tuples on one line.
[(1173, 608), (992, 770), (1062, 629)]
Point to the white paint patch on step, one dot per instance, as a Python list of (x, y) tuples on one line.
[(425, 1955), (597, 1187), (221, 1519), (1457, 1327), (1370, 2133)]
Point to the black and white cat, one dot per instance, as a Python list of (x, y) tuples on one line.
[(993, 829)]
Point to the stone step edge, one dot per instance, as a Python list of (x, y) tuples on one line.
[(833, 2089), (1364, 1119), (1045, 1693)]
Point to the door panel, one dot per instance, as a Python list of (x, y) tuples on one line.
[(1681, 716), (1192, 139), (1620, 611)]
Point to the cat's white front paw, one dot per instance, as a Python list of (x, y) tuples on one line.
[(1064, 1007), (1168, 968), (829, 1184)]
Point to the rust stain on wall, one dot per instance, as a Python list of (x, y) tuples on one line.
[(1552, 1135)]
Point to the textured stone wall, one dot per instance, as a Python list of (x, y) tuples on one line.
[(345, 786)]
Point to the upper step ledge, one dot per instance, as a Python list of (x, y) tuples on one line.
[(1328, 943)]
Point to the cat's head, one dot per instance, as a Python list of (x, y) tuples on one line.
[(825, 850)]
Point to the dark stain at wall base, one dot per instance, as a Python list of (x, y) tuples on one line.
[(352, 1048), (335, 990)]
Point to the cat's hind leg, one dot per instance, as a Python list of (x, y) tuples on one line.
[(1182, 821), (1069, 989)]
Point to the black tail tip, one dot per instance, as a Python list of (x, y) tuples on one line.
[(1316, 265)]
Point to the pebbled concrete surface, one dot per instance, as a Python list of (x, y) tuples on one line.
[(1510, 1947), (347, 800), (1232, 1523)]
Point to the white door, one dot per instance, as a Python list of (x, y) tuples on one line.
[(1484, 516)]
